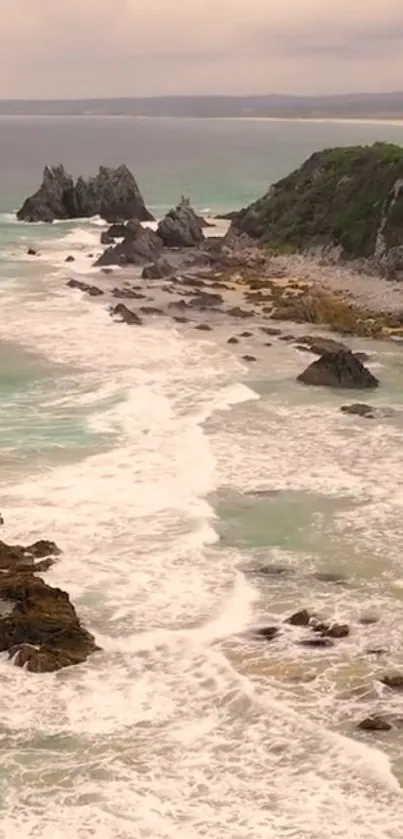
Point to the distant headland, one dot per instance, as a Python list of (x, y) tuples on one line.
[(341, 106)]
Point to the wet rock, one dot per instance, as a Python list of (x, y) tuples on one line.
[(362, 356), (203, 327), (126, 315), (116, 231), (106, 239), (272, 570), (376, 651), (205, 299), (319, 345), (180, 319), (32, 252), (112, 193), (70, 258), (1, 519), (92, 290), (237, 312), (233, 340), (270, 330), (246, 335), (139, 245), (266, 632), (288, 339), (41, 630), (337, 630), (374, 723), (330, 577), (320, 642), (158, 270), (267, 344), (249, 358), (359, 409), (181, 227), (107, 270), (340, 370), (127, 294), (300, 618), (151, 310), (393, 680)]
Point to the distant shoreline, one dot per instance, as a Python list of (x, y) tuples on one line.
[(378, 120)]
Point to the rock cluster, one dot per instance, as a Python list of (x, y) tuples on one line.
[(112, 194)]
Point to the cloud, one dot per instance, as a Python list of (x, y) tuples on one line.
[(142, 47)]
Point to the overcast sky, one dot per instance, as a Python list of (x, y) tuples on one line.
[(84, 48)]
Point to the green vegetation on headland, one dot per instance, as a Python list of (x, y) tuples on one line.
[(349, 200)]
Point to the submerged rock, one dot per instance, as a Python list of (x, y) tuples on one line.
[(393, 680), (359, 409), (374, 723), (266, 632), (181, 227), (338, 369), (112, 193), (40, 630)]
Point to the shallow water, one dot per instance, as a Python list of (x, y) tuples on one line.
[(170, 473)]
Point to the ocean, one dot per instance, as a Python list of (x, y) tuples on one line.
[(170, 472)]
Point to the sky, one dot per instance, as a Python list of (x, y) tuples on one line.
[(106, 48)]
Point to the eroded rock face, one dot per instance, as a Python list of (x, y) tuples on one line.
[(139, 246), (112, 193), (39, 626), (181, 227), (338, 369)]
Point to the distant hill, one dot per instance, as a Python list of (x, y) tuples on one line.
[(360, 105)]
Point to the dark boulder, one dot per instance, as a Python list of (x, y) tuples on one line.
[(32, 252), (300, 618), (92, 290), (39, 629), (374, 723), (112, 193), (233, 340), (70, 258), (181, 227), (203, 327), (338, 369), (249, 358), (140, 245), (158, 270), (126, 315)]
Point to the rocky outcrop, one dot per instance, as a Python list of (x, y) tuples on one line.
[(181, 227), (338, 369), (345, 201), (39, 627), (139, 246), (112, 194)]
